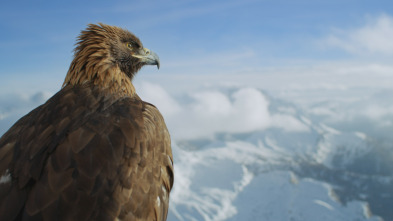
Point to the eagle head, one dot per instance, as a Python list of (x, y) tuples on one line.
[(108, 55), (126, 49)]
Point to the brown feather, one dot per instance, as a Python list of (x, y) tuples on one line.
[(93, 151)]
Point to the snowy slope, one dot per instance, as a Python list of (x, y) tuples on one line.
[(281, 196), (244, 181)]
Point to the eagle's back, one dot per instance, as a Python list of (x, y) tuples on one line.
[(86, 155)]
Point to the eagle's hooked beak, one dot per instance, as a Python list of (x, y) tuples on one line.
[(148, 57)]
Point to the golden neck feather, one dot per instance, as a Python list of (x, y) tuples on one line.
[(94, 66)]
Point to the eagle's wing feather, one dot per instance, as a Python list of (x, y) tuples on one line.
[(86, 156)]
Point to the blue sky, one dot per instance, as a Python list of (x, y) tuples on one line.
[(194, 37)]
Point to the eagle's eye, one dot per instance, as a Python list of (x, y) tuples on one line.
[(129, 45)]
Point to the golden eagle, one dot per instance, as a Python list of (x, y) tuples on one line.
[(95, 150)]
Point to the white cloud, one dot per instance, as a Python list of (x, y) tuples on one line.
[(212, 103), (374, 37), (207, 111)]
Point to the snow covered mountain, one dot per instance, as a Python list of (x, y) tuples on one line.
[(242, 153), (280, 163)]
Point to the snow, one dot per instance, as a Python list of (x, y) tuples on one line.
[(271, 196)]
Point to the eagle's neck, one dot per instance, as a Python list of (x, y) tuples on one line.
[(96, 68)]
